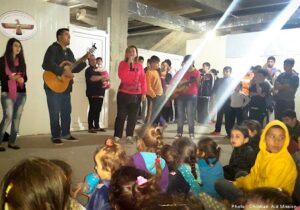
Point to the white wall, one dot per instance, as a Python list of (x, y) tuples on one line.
[(232, 50), (81, 40), (49, 17)]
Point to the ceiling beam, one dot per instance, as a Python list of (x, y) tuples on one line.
[(218, 5), (163, 19)]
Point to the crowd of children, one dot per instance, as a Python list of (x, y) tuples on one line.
[(183, 175)]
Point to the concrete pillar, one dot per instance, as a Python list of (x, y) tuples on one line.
[(117, 11)]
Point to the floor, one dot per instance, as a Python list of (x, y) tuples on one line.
[(80, 154)]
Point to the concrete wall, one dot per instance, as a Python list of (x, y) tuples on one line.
[(49, 18)]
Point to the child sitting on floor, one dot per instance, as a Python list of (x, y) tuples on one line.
[(254, 129), (108, 159), (242, 157), (187, 151), (35, 184), (177, 183), (149, 159), (131, 187), (209, 165)]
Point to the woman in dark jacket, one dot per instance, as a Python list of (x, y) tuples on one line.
[(13, 91)]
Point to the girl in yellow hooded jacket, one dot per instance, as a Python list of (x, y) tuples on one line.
[(274, 166)]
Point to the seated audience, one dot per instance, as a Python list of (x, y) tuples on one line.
[(108, 158), (242, 157), (148, 158), (131, 187), (274, 166), (266, 198), (188, 167), (35, 184), (254, 129), (290, 120), (177, 183), (173, 202), (209, 165), (67, 169)]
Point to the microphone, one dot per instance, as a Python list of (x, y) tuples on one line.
[(131, 68)]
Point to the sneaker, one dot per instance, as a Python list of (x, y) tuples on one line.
[(57, 142), (192, 136), (226, 137), (13, 146), (117, 139), (129, 140), (214, 133), (178, 135), (2, 149), (92, 131), (70, 138), (100, 129)]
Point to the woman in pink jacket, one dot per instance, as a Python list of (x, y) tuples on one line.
[(132, 91)]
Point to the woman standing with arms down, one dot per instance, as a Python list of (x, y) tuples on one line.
[(132, 91), (13, 91)]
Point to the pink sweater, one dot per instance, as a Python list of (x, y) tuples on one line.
[(132, 82)]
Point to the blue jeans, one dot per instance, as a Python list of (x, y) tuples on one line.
[(12, 111), (59, 106), (186, 104)]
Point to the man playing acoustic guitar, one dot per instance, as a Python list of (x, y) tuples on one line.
[(59, 61)]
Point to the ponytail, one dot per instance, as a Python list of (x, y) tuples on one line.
[(193, 167)]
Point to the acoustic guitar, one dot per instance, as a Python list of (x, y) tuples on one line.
[(59, 84), (182, 87)]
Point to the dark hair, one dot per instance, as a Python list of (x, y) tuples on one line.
[(210, 148), (290, 61), (267, 196), (206, 64), (214, 71), (8, 54), (187, 151), (126, 193), (67, 169), (274, 126), (99, 58), (168, 61), (60, 32), (261, 71), (271, 58), (167, 201), (154, 59), (242, 129), (187, 58), (170, 155), (35, 184), (256, 68), (227, 68), (141, 58), (253, 125), (290, 114)]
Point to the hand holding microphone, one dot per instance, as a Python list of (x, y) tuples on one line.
[(131, 59)]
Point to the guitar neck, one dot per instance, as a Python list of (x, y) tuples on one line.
[(79, 61)]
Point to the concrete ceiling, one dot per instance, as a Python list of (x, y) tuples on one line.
[(192, 16)]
